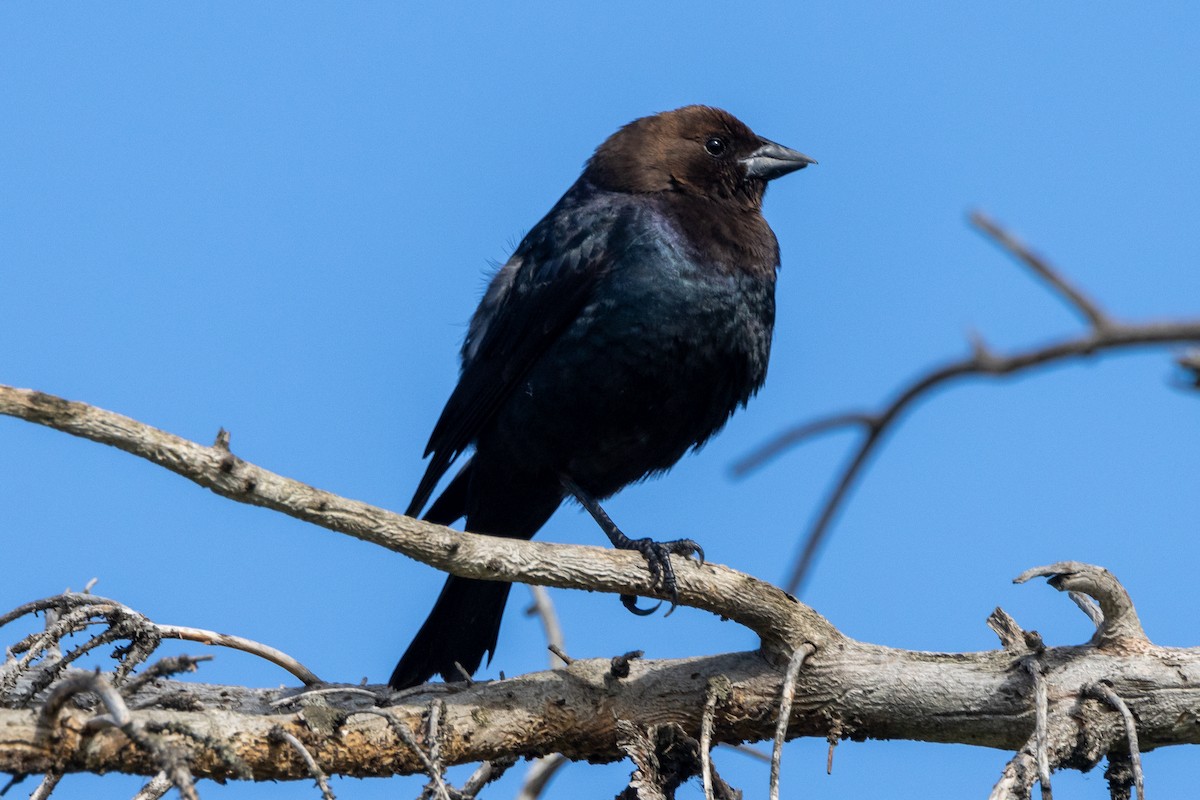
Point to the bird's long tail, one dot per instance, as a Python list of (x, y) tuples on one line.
[(462, 627), (465, 621)]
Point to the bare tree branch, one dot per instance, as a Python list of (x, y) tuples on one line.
[(1105, 334), (778, 618), (849, 689), (1086, 308), (592, 709)]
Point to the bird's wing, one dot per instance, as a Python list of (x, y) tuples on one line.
[(530, 302)]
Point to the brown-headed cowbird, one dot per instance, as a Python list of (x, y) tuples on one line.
[(627, 327)]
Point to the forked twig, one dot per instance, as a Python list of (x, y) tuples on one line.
[(1104, 334)]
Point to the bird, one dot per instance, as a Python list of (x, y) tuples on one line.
[(626, 328)]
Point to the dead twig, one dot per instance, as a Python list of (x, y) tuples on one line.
[(1041, 731), (1076, 299), (308, 694), (78, 611), (278, 734), (405, 734), (787, 696), (172, 762), (543, 608), (158, 787), (46, 787), (487, 772), (1104, 334), (277, 657), (1118, 618), (1103, 691), (718, 691), (1017, 779), (539, 775)]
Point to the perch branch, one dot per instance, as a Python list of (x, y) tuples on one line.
[(780, 620)]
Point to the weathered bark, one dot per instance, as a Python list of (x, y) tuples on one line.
[(1059, 707), (856, 690)]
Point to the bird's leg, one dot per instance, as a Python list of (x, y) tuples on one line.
[(657, 554)]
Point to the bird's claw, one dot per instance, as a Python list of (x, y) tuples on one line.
[(630, 602), (662, 574)]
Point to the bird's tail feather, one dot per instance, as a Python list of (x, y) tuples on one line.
[(465, 621), (462, 627)]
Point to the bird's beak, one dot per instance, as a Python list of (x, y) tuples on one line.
[(772, 160)]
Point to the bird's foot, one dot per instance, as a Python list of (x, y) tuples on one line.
[(657, 554), (658, 559)]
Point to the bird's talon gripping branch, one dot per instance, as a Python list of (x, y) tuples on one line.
[(658, 559), (630, 603), (657, 554)]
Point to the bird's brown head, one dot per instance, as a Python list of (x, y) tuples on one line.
[(697, 150)]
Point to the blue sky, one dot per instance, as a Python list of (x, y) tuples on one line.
[(277, 218)]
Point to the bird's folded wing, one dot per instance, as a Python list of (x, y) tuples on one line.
[(531, 302)]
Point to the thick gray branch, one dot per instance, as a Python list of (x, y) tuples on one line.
[(865, 690)]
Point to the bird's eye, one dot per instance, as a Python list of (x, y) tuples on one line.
[(715, 146)]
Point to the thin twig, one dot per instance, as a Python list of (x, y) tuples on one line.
[(277, 657), (163, 668), (1105, 692), (466, 676), (314, 769), (801, 433), (1104, 334), (543, 607), (158, 786), (487, 772), (1041, 732), (46, 787), (711, 696), (539, 775), (747, 750), (125, 623), (1078, 301), (787, 696), (433, 735), (542, 769), (405, 735), (558, 651), (1088, 606), (324, 690)]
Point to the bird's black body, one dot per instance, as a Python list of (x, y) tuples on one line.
[(627, 327)]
